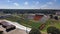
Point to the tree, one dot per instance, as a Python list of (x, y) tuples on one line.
[(1, 32), (35, 31), (53, 30), (56, 17), (51, 16)]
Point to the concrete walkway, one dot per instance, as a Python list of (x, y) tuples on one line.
[(16, 31), (19, 28), (19, 25)]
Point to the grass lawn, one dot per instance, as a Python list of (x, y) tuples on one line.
[(32, 24), (24, 22), (52, 22)]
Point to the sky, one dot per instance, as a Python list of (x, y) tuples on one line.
[(29, 4)]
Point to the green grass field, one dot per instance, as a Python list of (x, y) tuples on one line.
[(26, 22), (51, 22)]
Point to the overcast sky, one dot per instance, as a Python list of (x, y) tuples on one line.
[(29, 4)]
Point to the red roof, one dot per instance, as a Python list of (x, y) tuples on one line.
[(38, 17)]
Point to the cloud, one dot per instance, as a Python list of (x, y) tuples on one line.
[(37, 2), (55, 0), (47, 4), (16, 4), (9, 1), (50, 3), (26, 3)]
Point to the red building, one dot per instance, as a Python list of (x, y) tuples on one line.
[(38, 17)]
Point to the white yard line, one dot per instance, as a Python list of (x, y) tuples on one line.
[(19, 26)]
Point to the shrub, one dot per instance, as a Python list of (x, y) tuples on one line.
[(51, 16), (56, 17), (35, 31), (1, 32), (53, 30)]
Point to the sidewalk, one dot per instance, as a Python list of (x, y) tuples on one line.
[(19, 26), (16, 31)]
